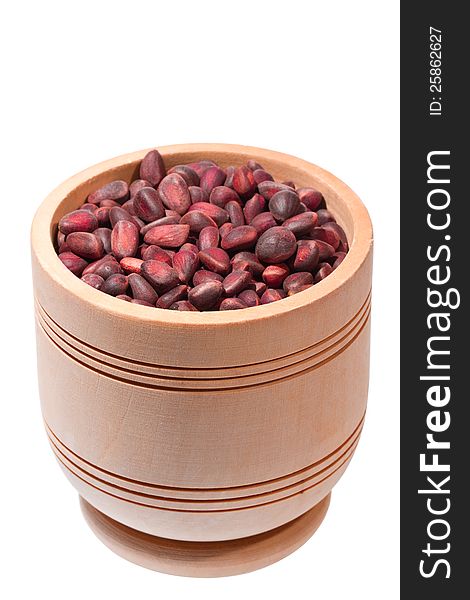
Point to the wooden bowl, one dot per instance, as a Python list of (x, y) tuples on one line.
[(204, 444)]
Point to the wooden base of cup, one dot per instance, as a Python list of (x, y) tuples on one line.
[(205, 559)]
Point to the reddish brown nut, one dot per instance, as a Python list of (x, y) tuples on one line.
[(261, 175), (160, 275), (172, 220), (271, 296), (302, 224), (254, 206), (263, 222), (276, 245), (208, 238), (117, 213), (129, 206), (137, 185), (219, 215), (229, 179), (206, 295), (268, 188), (197, 194), (74, 263), (235, 212), (249, 298), (310, 197), (115, 285), (203, 276), (325, 216), (183, 305), (325, 249), (63, 248), (156, 253), (141, 289), (274, 275), (284, 205), (109, 203), (60, 242), (115, 190), (102, 214), (152, 167), (78, 220), (60, 238), (188, 174), (289, 183), (108, 258), (260, 287), (330, 236), (148, 205), (247, 261), (211, 178), (124, 239), (243, 182), (174, 193), (86, 245), (93, 280), (338, 259), (222, 194), (124, 297), (240, 238), (201, 165), (215, 259), (168, 236), (107, 268), (324, 269), (243, 265), (191, 247), (236, 282), (232, 304), (224, 229), (176, 294), (197, 220), (339, 231), (307, 256), (138, 222), (141, 249), (253, 165), (185, 263), (293, 283), (129, 264), (89, 207)]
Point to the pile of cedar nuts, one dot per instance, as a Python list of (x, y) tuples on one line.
[(201, 237)]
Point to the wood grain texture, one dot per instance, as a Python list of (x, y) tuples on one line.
[(203, 427), (205, 559)]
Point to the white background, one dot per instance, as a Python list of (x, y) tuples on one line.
[(85, 81)]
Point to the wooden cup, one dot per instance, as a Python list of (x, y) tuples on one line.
[(204, 444)]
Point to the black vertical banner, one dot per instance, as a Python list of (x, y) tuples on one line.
[(435, 321)]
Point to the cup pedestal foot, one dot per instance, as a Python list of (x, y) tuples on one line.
[(205, 559)]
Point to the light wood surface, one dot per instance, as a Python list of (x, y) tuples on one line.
[(204, 427), (205, 559)]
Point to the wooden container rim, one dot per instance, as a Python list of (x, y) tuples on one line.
[(43, 246)]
